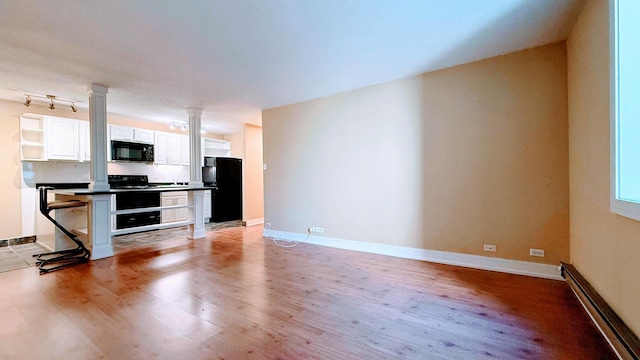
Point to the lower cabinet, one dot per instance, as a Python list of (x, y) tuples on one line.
[(207, 205), (174, 198)]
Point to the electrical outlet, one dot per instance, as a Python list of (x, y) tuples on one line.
[(488, 247), (536, 252), (317, 229)]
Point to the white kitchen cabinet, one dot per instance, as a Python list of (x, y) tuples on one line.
[(167, 148), (216, 147), (53, 138), (61, 138), (167, 215), (160, 153), (186, 150), (207, 205), (143, 136), (177, 198), (84, 141), (32, 138), (122, 133), (174, 149)]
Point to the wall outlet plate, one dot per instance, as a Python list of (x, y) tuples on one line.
[(536, 252), (488, 247)]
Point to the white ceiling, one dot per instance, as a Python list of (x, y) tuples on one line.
[(234, 58)]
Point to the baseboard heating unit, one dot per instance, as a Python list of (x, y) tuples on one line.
[(623, 341)]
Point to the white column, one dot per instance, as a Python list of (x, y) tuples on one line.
[(98, 127), (196, 228), (196, 198), (195, 161), (99, 226), (99, 214)]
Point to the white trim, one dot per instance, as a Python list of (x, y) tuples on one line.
[(252, 222), (471, 261), (618, 206)]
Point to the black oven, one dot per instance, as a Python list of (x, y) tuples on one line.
[(137, 200), (129, 151)]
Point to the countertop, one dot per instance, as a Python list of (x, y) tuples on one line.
[(163, 188)]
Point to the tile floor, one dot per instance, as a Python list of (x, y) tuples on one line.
[(19, 256), (131, 240)]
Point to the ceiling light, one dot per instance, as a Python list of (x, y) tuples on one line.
[(172, 125), (52, 99), (52, 106), (184, 127)]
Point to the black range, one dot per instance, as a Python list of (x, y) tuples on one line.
[(135, 200)]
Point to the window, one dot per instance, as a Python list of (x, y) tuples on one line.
[(625, 107)]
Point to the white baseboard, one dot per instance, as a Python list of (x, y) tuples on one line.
[(252, 222), (442, 257)]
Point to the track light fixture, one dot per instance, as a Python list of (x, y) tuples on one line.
[(52, 106), (184, 126), (52, 99)]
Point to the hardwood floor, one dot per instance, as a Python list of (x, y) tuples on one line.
[(236, 295)]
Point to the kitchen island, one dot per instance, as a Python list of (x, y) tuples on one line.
[(99, 222)]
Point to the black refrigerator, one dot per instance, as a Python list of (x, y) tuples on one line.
[(226, 175)]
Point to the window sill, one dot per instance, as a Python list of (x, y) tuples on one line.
[(626, 208)]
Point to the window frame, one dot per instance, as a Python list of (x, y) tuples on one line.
[(619, 206)]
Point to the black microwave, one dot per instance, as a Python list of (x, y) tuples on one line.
[(129, 151)]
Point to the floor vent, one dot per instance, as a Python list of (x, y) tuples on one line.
[(623, 341)]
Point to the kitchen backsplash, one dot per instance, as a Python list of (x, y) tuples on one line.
[(68, 172)]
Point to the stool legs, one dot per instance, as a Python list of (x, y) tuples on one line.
[(57, 260)]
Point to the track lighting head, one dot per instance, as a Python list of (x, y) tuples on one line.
[(52, 106), (27, 102), (184, 127), (73, 107), (172, 125), (202, 130)]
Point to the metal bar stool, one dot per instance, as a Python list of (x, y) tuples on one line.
[(56, 260)]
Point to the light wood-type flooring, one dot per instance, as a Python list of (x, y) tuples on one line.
[(235, 295)]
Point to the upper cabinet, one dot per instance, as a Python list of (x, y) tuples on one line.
[(53, 138), (143, 136), (186, 150), (125, 133), (169, 149), (45, 138), (62, 138), (32, 139), (215, 147), (122, 133), (84, 141)]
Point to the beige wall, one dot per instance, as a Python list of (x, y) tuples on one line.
[(247, 145), (10, 168), (605, 247), (254, 193), (450, 160)]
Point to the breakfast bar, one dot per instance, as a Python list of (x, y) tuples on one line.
[(97, 226)]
